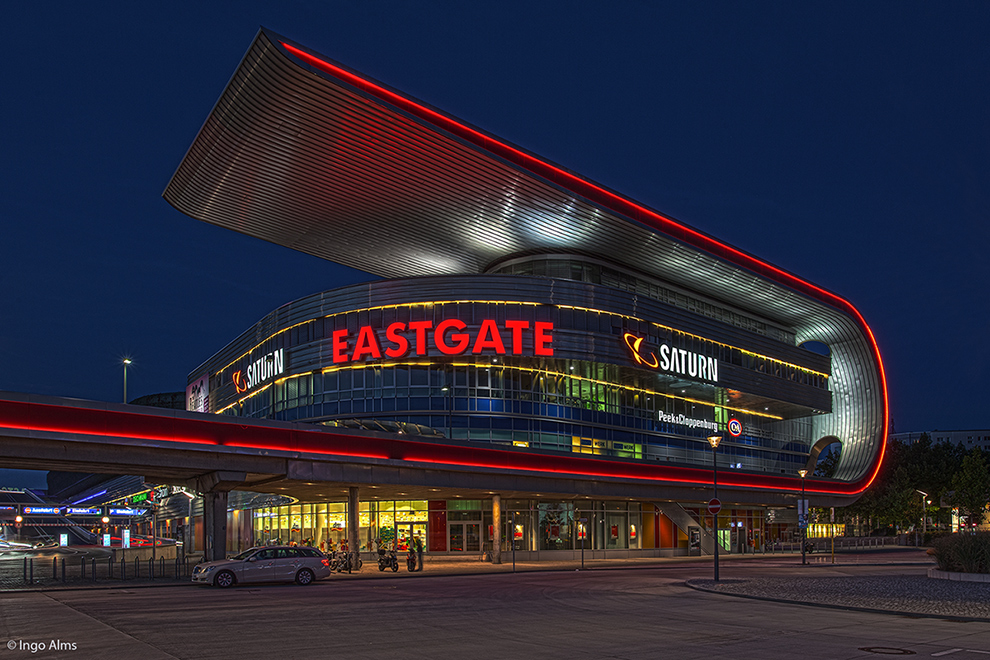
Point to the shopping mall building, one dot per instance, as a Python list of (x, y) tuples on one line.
[(522, 310)]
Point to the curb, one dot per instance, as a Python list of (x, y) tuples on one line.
[(936, 574), (96, 587)]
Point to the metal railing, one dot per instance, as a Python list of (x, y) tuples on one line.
[(64, 570)]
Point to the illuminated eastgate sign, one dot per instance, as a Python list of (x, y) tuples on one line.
[(262, 369), (673, 360), (450, 337)]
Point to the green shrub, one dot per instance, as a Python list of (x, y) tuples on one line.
[(931, 536), (963, 553)]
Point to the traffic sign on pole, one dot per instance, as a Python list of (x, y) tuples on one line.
[(714, 506)]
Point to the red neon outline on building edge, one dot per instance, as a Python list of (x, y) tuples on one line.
[(612, 201)]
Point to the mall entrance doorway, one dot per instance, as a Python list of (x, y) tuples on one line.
[(464, 536)]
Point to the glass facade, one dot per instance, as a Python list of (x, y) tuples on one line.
[(466, 526), (558, 365), (586, 397)]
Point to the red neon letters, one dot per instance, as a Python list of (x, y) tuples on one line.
[(450, 337)]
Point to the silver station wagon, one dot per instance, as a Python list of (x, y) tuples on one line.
[(268, 564)]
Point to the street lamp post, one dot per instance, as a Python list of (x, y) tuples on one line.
[(713, 440), (125, 362), (448, 404), (803, 518), (924, 514)]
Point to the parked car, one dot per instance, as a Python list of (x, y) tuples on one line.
[(268, 564)]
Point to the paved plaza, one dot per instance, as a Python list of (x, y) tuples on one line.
[(630, 610)]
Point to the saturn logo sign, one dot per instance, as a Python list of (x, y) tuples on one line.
[(634, 342), (673, 360), (259, 371)]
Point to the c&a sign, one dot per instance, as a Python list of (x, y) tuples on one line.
[(449, 337)]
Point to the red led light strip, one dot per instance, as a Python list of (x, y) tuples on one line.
[(612, 201), (15, 415)]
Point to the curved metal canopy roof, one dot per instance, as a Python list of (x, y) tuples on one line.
[(305, 153)]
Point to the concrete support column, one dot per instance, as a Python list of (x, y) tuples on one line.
[(215, 486), (496, 529), (215, 525), (353, 525), (189, 537)]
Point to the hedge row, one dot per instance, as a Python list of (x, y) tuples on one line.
[(963, 553)]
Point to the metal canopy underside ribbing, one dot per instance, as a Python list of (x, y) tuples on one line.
[(296, 155)]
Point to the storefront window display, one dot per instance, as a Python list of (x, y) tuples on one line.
[(324, 525), (467, 526)]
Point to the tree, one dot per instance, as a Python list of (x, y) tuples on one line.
[(894, 498), (828, 461), (972, 486)]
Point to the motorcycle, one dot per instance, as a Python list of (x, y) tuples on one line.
[(387, 559), (411, 559), (342, 560)]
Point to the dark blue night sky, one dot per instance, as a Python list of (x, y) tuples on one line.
[(847, 143)]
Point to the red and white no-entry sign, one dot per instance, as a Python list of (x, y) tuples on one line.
[(714, 505)]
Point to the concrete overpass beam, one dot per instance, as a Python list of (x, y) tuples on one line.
[(218, 480)]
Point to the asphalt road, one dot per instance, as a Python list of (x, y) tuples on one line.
[(623, 613)]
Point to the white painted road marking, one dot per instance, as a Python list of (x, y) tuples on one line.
[(934, 655)]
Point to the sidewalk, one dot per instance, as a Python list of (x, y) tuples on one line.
[(442, 565)]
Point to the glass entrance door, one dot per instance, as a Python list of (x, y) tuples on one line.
[(464, 537)]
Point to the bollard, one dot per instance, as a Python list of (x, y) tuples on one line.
[(25, 569), (176, 568), (31, 566), (93, 566), (110, 566), (151, 568), (137, 569), (63, 569), (54, 568), (123, 568)]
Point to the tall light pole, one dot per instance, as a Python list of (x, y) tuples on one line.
[(125, 362), (448, 403), (713, 440), (924, 513), (803, 519)]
